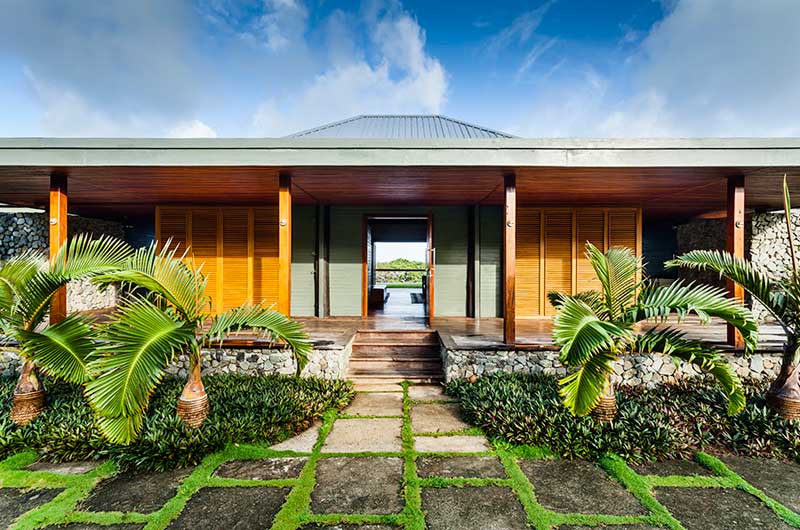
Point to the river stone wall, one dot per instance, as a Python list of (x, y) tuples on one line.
[(21, 231), (635, 370)]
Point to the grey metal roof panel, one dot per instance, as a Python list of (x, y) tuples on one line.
[(400, 126)]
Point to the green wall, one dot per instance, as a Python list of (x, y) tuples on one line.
[(491, 255), (304, 219), (450, 240)]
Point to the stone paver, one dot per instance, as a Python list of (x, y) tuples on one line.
[(437, 417), (378, 387), (671, 467), (358, 485), (135, 492), (66, 468), (478, 508), (262, 469), (451, 444), (780, 480), (349, 527), (302, 443), (376, 404), (571, 486), (718, 509), (231, 509), (460, 466), (14, 502), (612, 527), (364, 435), (428, 393)]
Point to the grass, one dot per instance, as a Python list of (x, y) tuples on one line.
[(296, 510)]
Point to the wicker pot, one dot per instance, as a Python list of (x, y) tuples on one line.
[(786, 408), (193, 412), (606, 409), (26, 406)]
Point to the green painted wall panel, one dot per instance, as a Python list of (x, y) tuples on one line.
[(491, 261), (303, 260), (345, 261), (450, 235)]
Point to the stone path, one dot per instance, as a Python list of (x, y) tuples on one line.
[(401, 458)]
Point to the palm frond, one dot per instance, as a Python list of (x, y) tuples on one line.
[(706, 301), (754, 281), (63, 350), (141, 341), (15, 273), (593, 299), (674, 343), (164, 275), (581, 333), (272, 324), (616, 269), (85, 256), (582, 389)]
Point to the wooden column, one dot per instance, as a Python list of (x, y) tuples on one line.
[(735, 243), (284, 243), (58, 236), (509, 258)]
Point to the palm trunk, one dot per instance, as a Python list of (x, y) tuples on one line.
[(606, 409), (28, 399), (783, 395), (193, 403)]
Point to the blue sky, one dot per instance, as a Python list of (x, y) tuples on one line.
[(270, 67)]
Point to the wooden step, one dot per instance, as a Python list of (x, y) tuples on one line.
[(375, 335), (384, 357), (377, 365), (390, 379), (398, 348)]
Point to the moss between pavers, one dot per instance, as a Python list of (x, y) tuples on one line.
[(295, 512)]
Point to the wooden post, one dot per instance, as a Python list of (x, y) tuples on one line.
[(509, 258), (58, 236), (284, 243), (735, 244)]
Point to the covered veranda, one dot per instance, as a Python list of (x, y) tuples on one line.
[(671, 180)]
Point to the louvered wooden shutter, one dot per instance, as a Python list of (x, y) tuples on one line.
[(590, 227), (557, 253), (265, 269), (528, 275), (623, 229), (171, 226), (204, 249), (235, 257)]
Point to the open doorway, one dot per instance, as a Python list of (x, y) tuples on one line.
[(398, 268)]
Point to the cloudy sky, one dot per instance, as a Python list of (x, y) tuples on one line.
[(241, 68)]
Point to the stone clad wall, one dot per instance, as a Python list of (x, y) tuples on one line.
[(637, 370), (21, 231)]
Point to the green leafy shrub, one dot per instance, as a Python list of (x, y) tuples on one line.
[(260, 410), (669, 421)]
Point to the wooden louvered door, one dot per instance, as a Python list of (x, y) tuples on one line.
[(528, 278), (590, 226), (551, 250), (237, 248)]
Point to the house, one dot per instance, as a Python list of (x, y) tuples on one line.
[(294, 221)]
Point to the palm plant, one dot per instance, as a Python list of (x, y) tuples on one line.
[(28, 283), (780, 297), (167, 313), (595, 328)]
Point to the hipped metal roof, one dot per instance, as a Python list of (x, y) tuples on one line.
[(400, 126)]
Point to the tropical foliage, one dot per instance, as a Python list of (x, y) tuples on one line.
[(166, 313), (664, 422), (28, 283), (595, 328), (780, 297)]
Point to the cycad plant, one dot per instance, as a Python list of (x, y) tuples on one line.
[(780, 297), (596, 328), (166, 313), (28, 283)]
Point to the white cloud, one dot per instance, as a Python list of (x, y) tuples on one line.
[(402, 78), (192, 129), (533, 55), (709, 68), (520, 30)]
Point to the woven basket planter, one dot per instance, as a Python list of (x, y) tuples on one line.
[(788, 409), (193, 412), (27, 406), (606, 409)]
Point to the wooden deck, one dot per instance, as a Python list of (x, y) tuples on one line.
[(487, 333)]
